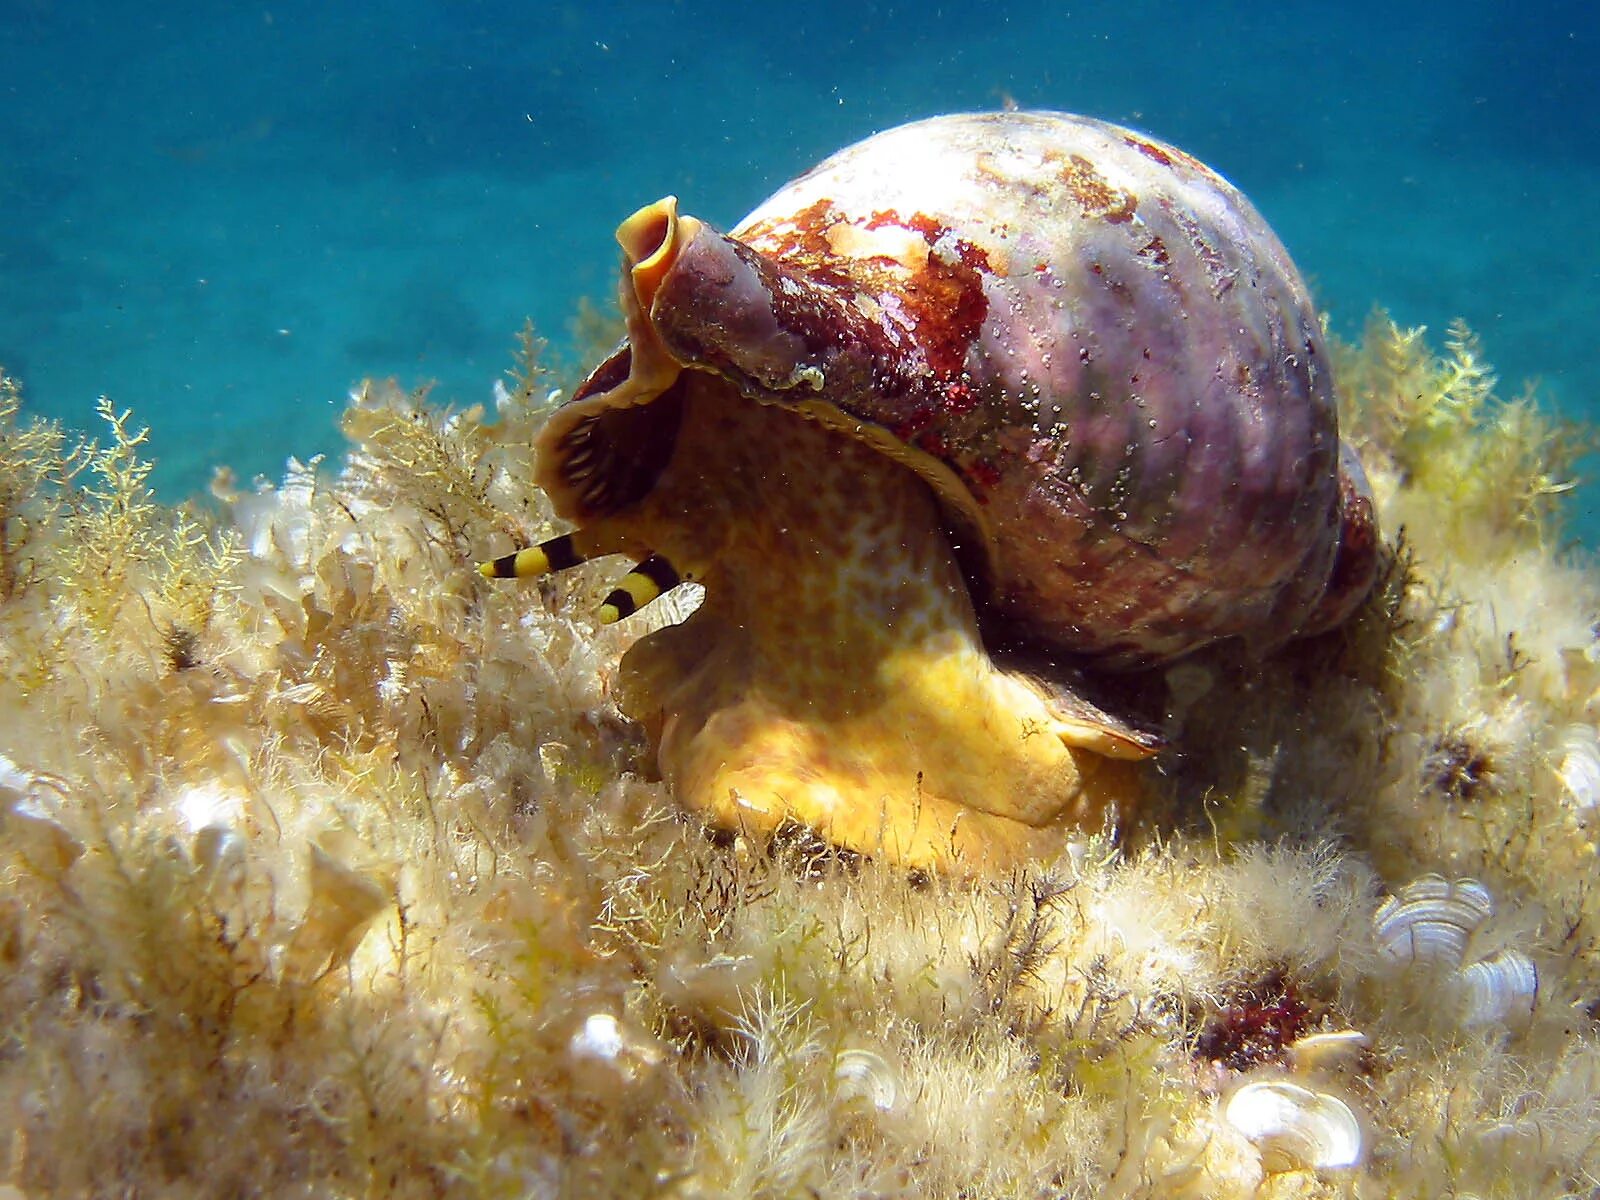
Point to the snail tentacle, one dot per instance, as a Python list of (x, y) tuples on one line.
[(654, 577)]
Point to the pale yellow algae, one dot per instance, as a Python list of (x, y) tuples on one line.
[(329, 869)]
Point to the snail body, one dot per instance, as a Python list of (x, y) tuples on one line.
[(1016, 376)]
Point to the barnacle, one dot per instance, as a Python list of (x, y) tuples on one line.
[(1460, 769)]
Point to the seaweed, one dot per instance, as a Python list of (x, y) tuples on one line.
[(1431, 425), (328, 868)]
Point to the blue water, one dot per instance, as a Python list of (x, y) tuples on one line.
[(224, 215)]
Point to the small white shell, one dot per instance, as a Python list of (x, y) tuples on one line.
[(864, 1081), (605, 1051), (716, 991), (1327, 1051), (31, 811), (1294, 1127), (1579, 772), (218, 854), (342, 906), (1499, 988), (1431, 919), (600, 1037)]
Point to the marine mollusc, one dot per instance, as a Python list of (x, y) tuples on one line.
[(1008, 377)]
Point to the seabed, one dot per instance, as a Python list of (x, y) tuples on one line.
[(328, 869)]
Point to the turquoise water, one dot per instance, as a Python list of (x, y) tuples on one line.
[(224, 215)]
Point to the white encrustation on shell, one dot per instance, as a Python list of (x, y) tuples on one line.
[(1431, 920), (1499, 988), (1295, 1127), (864, 1080)]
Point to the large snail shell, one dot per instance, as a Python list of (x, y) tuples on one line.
[(1088, 342), (1101, 363)]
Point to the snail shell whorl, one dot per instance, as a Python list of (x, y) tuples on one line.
[(1090, 344)]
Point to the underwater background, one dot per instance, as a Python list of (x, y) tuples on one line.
[(328, 867), (224, 215)]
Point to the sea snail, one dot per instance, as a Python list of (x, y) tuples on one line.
[(1020, 376)]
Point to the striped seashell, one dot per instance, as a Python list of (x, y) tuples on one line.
[(1294, 1127), (1431, 919)]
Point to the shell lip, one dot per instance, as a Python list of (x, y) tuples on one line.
[(782, 336), (697, 300), (605, 448)]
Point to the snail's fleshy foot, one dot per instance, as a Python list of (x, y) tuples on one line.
[(953, 791), (927, 756), (834, 674)]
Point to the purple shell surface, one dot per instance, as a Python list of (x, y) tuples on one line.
[(1090, 344)]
